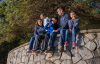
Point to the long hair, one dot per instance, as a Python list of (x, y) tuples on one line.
[(36, 24)]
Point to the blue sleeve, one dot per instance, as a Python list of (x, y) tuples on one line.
[(65, 22), (35, 31), (51, 23), (46, 26), (77, 23), (69, 24)]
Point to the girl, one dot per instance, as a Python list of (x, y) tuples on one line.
[(73, 28), (39, 30)]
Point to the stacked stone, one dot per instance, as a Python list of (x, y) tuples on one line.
[(87, 51)]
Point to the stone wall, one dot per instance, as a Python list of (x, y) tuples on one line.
[(87, 51)]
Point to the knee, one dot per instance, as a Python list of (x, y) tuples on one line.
[(32, 37)]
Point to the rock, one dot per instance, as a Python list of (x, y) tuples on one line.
[(49, 62), (49, 55), (97, 40), (38, 63), (94, 61), (81, 62), (75, 50), (85, 53), (41, 56), (76, 58), (86, 39), (43, 62), (26, 60), (21, 63), (67, 62), (31, 58), (18, 60), (19, 55), (91, 45), (23, 58), (56, 56), (98, 34), (31, 62), (97, 53), (80, 41), (66, 55), (22, 48), (26, 47), (57, 62), (36, 58), (24, 52), (91, 36)]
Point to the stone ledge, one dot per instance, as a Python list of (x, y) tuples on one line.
[(80, 32)]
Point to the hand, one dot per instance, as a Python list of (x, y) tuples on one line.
[(55, 31), (70, 31), (72, 28)]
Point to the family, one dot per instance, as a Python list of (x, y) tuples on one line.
[(46, 29)]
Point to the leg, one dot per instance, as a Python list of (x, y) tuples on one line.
[(35, 41), (52, 37), (31, 42), (38, 42), (67, 35), (62, 37)]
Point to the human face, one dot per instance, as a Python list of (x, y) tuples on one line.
[(73, 15), (39, 22), (42, 17), (60, 12), (54, 20)]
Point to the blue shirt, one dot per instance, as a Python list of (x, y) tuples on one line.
[(73, 23), (39, 30), (51, 27), (64, 22)]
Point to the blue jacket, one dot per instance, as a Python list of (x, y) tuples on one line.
[(51, 27), (39, 30), (64, 22), (73, 23)]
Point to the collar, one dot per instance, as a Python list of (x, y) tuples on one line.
[(63, 14)]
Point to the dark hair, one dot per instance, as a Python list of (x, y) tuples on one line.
[(43, 14), (61, 8), (56, 18), (72, 12), (36, 24)]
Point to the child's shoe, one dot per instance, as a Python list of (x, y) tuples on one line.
[(73, 44), (33, 49), (66, 44), (29, 51)]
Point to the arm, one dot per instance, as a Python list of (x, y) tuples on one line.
[(77, 23), (65, 22), (35, 31), (46, 27)]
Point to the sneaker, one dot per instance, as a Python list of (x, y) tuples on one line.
[(66, 44), (29, 51), (73, 44), (61, 49), (33, 49), (50, 49)]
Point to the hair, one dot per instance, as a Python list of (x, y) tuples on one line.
[(43, 14), (56, 18), (61, 8), (72, 12), (36, 24)]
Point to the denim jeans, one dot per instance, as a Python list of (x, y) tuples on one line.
[(62, 36), (73, 34), (52, 38), (32, 41)]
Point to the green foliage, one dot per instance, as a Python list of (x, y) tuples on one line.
[(18, 17)]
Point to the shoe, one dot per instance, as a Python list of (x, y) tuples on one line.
[(43, 49), (61, 49), (50, 49), (33, 49), (73, 44), (29, 51), (66, 44)]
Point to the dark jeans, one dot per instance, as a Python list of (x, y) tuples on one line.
[(52, 37), (45, 43), (32, 41)]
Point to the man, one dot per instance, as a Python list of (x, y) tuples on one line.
[(64, 25)]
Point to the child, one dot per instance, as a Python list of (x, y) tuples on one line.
[(44, 19), (53, 26), (39, 30), (73, 28)]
